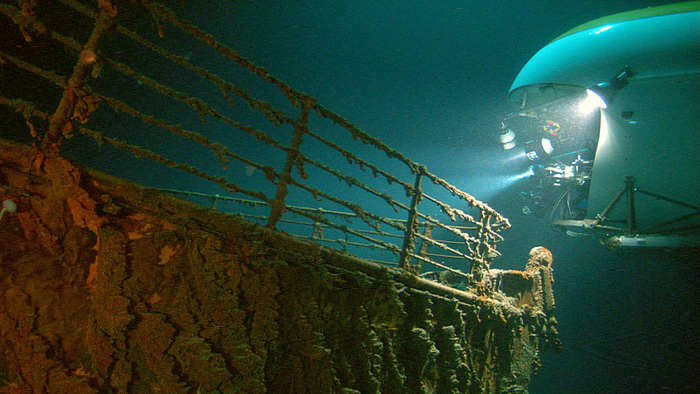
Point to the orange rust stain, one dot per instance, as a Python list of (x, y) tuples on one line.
[(140, 225), (92, 277), (83, 209), (155, 298), (167, 252)]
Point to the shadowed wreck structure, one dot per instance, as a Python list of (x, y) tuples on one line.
[(108, 286)]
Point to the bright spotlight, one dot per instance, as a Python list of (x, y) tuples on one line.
[(603, 94), (510, 180), (592, 102), (490, 186), (525, 174), (517, 158)]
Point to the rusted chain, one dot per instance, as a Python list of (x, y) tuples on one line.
[(51, 76), (390, 247), (141, 152), (351, 158), (198, 105), (360, 212), (292, 95)]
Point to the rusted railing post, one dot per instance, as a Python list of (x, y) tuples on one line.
[(277, 205), (412, 226), (60, 120), (427, 233), (481, 249)]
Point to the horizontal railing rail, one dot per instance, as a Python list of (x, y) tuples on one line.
[(369, 196)]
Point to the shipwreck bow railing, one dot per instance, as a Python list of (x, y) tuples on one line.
[(143, 90)]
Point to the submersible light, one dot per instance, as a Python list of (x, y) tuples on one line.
[(591, 102), (603, 94), (506, 137)]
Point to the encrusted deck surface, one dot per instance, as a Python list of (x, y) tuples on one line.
[(109, 287)]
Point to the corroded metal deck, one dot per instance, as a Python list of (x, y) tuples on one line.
[(110, 287)]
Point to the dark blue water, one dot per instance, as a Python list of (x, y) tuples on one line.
[(430, 79)]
